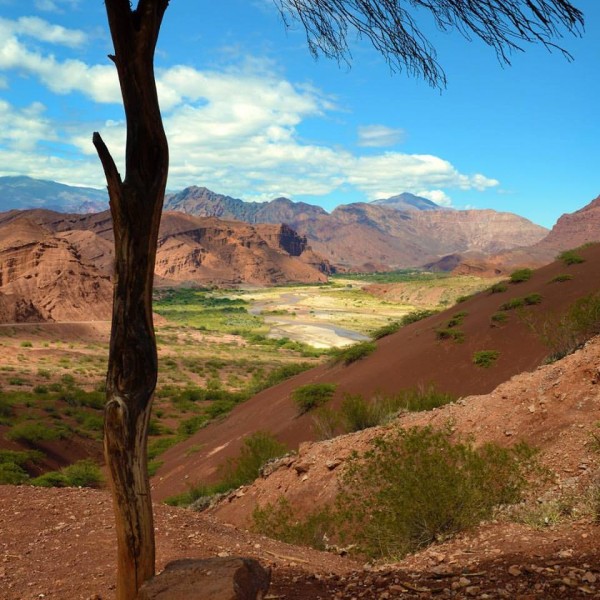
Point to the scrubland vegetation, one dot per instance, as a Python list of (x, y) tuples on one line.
[(413, 487)]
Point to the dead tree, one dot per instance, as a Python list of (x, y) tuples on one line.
[(136, 201), (136, 206)]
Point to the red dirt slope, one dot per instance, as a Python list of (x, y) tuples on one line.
[(411, 357)]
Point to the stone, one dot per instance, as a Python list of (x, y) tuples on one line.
[(301, 467), (230, 578)]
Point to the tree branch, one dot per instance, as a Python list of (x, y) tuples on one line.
[(113, 177), (391, 27)]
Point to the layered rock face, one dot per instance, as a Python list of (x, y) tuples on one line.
[(60, 267), (44, 277), (575, 229), (570, 231), (375, 237), (219, 252)]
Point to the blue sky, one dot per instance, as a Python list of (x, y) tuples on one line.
[(250, 114)]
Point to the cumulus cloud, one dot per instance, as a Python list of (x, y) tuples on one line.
[(43, 31), (236, 131), (379, 136), (438, 196), (55, 6)]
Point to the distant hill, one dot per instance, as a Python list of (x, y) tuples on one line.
[(570, 231), (59, 267), (407, 201), (202, 202), (393, 233), (22, 193)]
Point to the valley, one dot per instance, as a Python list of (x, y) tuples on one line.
[(216, 348), (283, 364)]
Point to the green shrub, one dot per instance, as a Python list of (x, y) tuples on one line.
[(512, 304), (416, 315), (386, 330), (12, 474), (570, 257), (280, 374), (563, 334), (532, 299), (93, 422), (40, 389), (457, 319), (278, 521), (449, 333), (499, 287), (416, 486), (154, 466), (26, 345), (160, 445), (67, 380), (358, 414), (309, 397), (352, 353), (327, 423), (83, 473), (32, 432), (20, 457), (219, 408), (50, 479), (521, 275), (461, 299), (498, 318), (419, 399), (258, 448), (485, 358), (6, 408), (561, 278), (194, 493), (412, 317), (188, 427)]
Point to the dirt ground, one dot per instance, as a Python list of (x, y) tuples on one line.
[(59, 544)]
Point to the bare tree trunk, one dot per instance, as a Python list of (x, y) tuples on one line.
[(136, 206)]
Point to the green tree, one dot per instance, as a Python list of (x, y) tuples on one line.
[(136, 200)]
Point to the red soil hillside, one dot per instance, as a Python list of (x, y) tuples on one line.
[(554, 409), (411, 357)]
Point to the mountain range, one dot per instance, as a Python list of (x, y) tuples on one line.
[(393, 233), (22, 193), (386, 234)]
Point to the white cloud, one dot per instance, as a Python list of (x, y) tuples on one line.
[(236, 131), (438, 196), (379, 136), (55, 6), (23, 129), (43, 31)]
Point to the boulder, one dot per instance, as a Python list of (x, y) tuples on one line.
[(230, 578)]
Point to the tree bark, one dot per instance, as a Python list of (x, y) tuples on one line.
[(136, 206)]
